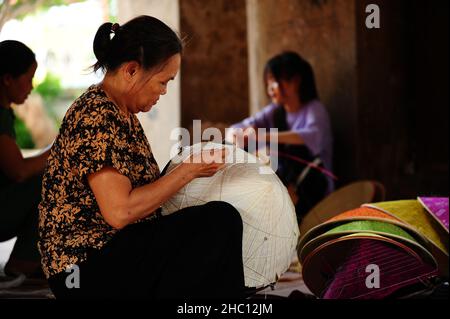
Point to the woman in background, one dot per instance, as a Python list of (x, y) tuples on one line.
[(20, 178), (304, 131)]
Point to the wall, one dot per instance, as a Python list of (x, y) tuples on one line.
[(165, 116), (403, 97), (214, 84)]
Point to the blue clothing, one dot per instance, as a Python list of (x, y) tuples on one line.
[(311, 122)]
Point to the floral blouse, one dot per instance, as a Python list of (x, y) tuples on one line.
[(94, 134)]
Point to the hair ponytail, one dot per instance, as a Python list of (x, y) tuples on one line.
[(146, 40), (102, 44)]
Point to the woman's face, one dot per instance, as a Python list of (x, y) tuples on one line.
[(145, 95), (18, 88), (283, 91)]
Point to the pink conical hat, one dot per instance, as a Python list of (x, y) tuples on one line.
[(438, 209), (396, 265)]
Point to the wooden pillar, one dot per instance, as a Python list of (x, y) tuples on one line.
[(214, 83)]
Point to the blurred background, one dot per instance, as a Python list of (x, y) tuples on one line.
[(386, 89)]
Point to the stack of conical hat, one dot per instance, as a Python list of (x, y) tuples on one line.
[(425, 221), (377, 250)]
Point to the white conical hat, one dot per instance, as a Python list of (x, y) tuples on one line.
[(270, 231)]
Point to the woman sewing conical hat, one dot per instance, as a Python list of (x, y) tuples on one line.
[(270, 226)]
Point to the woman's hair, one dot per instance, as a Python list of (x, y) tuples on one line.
[(15, 58), (144, 39), (289, 65)]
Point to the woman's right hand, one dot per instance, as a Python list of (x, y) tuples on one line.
[(122, 204), (205, 163)]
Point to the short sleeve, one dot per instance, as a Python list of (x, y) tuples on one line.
[(262, 119), (100, 140), (314, 129)]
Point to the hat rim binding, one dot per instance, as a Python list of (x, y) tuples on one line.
[(328, 225), (310, 246), (318, 287), (319, 230)]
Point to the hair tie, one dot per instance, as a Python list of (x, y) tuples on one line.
[(115, 27)]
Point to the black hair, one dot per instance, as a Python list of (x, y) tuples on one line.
[(15, 58), (144, 39), (287, 66)]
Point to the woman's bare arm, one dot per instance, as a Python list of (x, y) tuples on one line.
[(287, 137), (121, 205), (14, 165)]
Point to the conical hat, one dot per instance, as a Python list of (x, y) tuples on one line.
[(270, 232), (360, 214), (338, 268), (344, 199), (367, 226), (438, 209), (414, 214)]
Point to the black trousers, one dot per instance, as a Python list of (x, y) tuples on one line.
[(193, 253), (313, 186), (19, 217)]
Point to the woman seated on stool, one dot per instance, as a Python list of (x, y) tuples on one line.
[(102, 191), (304, 131), (20, 178)]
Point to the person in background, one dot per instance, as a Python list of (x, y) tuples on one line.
[(20, 178), (304, 131), (100, 214)]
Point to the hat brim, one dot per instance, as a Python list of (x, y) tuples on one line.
[(359, 214), (323, 262)]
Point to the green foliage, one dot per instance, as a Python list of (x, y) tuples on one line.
[(112, 4), (23, 136), (50, 88), (51, 3), (25, 7)]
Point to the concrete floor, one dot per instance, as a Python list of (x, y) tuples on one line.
[(19, 288)]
